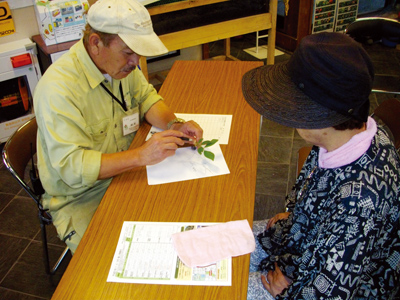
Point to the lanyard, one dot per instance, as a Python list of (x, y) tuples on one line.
[(122, 103)]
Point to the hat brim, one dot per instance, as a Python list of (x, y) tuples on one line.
[(144, 45), (270, 91)]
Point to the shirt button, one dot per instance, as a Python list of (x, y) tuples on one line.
[(115, 126)]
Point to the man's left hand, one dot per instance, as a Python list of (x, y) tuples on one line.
[(190, 128)]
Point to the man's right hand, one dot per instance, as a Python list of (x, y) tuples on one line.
[(160, 146)]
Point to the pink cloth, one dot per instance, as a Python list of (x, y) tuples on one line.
[(207, 245), (350, 151)]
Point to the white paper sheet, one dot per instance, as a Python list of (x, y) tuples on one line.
[(187, 164), (214, 126), (145, 254)]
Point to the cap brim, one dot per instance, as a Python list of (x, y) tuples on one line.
[(144, 45), (270, 91)]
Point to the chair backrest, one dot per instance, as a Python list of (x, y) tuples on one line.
[(370, 30), (389, 112), (18, 151)]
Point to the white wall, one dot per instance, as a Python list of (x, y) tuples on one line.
[(25, 24)]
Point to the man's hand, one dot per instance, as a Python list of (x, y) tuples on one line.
[(160, 146), (276, 218), (190, 128), (277, 281)]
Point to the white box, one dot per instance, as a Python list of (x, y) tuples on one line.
[(60, 20)]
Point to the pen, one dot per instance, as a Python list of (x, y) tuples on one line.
[(186, 139), (187, 145)]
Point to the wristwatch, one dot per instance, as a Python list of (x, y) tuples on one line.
[(176, 120)]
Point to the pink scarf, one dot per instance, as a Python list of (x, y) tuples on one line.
[(350, 151)]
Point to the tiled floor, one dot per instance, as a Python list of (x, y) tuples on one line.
[(22, 273)]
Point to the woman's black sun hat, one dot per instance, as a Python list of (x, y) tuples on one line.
[(327, 81)]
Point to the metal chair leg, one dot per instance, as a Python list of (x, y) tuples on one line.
[(46, 257)]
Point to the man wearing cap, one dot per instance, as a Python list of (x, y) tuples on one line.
[(340, 235), (89, 105)]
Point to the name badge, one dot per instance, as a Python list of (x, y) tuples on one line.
[(131, 123)]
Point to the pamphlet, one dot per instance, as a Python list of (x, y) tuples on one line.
[(145, 254)]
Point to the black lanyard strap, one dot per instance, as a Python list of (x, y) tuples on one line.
[(122, 103)]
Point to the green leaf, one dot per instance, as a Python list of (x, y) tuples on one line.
[(200, 150), (209, 155), (198, 143), (210, 143)]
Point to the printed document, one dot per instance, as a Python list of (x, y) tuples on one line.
[(145, 254)]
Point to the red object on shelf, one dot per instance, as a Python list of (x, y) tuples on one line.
[(21, 60)]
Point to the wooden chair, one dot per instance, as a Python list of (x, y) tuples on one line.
[(17, 154), (388, 112), (302, 155)]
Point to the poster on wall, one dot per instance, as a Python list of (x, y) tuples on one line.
[(346, 14), (61, 21), (324, 16), (6, 20), (333, 15)]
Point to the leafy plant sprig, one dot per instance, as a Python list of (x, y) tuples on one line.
[(201, 145)]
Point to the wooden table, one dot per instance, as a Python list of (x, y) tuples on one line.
[(209, 87)]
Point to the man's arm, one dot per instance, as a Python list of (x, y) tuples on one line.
[(156, 149), (159, 115)]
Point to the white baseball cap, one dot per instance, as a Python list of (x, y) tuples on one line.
[(131, 21)]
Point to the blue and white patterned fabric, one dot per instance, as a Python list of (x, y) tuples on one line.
[(342, 239)]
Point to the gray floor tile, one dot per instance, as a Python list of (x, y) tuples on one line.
[(267, 206), (10, 248), (8, 184), (272, 178), (274, 149), (28, 275), (20, 219), (270, 128), (13, 295), (5, 199)]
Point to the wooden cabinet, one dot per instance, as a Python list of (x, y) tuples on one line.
[(292, 28)]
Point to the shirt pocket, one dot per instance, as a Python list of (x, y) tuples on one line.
[(99, 131)]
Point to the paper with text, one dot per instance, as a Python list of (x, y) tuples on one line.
[(145, 254)]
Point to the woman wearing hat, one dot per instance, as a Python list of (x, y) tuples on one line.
[(340, 235)]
